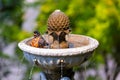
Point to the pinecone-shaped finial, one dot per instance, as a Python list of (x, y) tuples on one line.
[(58, 28), (58, 21)]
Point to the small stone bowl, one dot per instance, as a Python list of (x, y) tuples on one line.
[(50, 59)]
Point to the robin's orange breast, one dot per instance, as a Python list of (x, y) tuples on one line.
[(35, 42)]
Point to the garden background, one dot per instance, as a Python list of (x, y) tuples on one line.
[(99, 19)]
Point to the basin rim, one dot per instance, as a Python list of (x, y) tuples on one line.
[(93, 44)]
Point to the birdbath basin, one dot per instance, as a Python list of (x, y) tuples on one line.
[(51, 60)]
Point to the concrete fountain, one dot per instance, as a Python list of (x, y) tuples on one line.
[(61, 50)]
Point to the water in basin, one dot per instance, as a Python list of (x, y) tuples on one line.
[(74, 41)]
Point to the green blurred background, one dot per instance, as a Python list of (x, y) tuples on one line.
[(99, 19)]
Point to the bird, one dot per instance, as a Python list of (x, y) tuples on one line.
[(38, 41)]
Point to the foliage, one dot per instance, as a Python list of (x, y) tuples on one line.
[(99, 19), (10, 20)]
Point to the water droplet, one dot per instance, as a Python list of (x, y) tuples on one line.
[(85, 73), (31, 71), (61, 63)]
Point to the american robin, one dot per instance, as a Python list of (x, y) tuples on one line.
[(38, 41)]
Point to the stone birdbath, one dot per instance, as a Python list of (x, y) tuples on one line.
[(61, 50)]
